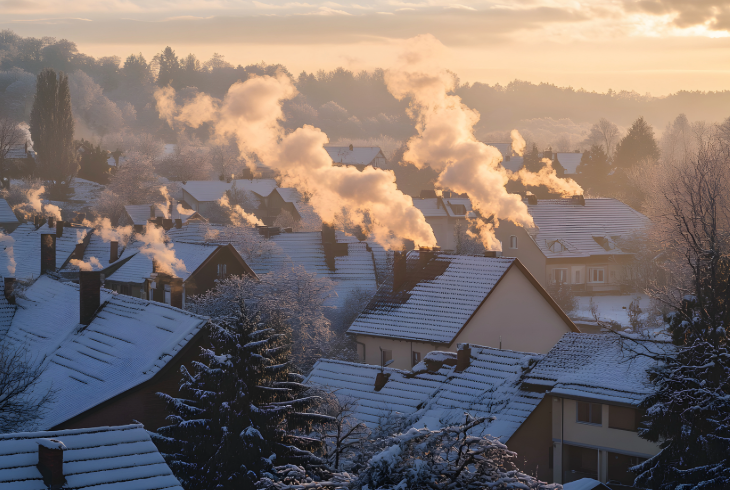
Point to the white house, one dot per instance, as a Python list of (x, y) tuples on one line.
[(358, 156)]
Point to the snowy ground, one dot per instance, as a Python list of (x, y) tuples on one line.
[(610, 308)]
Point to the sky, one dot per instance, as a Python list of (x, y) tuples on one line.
[(650, 46)]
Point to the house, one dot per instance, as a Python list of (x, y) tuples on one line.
[(138, 215), (204, 265), (35, 250), (106, 356), (286, 199), (102, 254), (202, 195), (569, 161), (595, 384), (17, 152), (575, 241), (435, 301), (357, 156), (441, 389), (443, 213), (8, 221), (113, 458)]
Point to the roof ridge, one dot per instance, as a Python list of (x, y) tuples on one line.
[(85, 430)]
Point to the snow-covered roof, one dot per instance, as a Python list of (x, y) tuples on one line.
[(514, 164), (27, 248), (452, 207), (100, 250), (490, 386), (109, 458), (6, 213), (288, 194), (212, 190), (127, 343), (7, 311), (84, 191), (569, 161), (139, 267), (18, 151), (583, 230), (140, 213), (597, 367), (436, 300), (359, 155)]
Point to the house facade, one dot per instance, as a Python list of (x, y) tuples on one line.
[(202, 195), (443, 213), (435, 301), (575, 241), (356, 156)]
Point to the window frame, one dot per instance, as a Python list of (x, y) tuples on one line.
[(591, 271), (513, 239), (635, 414), (565, 274), (598, 407), (415, 358)]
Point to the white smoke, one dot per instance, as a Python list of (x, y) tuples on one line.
[(518, 142), (163, 254), (7, 242), (108, 233), (251, 111), (239, 217), (548, 177), (34, 204), (184, 212), (52, 209), (164, 208), (92, 264)]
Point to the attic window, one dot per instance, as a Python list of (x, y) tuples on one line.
[(556, 246), (458, 208), (606, 242)]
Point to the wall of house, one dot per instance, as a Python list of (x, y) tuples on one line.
[(126, 288), (566, 430), (142, 403), (532, 441), (527, 250), (614, 270), (443, 230), (204, 279), (516, 317), (401, 350)]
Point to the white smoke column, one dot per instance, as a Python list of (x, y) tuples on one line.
[(92, 264), (239, 217), (7, 242), (104, 228), (184, 212), (251, 112), (34, 204), (446, 141), (518, 142), (53, 210), (163, 254), (548, 177), (165, 208)]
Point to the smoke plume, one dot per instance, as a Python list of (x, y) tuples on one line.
[(163, 254), (446, 141), (34, 204), (108, 233), (184, 212), (7, 242), (92, 264), (239, 217), (518, 142), (548, 177), (252, 111)]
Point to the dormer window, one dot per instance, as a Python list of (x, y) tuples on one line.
[(556, 246)]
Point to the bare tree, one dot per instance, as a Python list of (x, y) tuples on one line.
[(10, 135), (21, 400), (604, 133), (344, 435), (226, 161)]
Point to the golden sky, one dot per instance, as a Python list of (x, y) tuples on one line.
[(655, 46)]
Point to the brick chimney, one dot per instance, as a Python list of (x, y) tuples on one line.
[(113, 251), (328, 233), (78, 253), (463, 357), (167, 224), (176, 292), (10, 289), (578, 200), (48, 253), (178, 223), (89, 295), (50, 462), (59, 228), (399, 270), (51, 221)]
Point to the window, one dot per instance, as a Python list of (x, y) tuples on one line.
[(580, 462), (387, 355), (168, 294), (416, 358), (589, 413), (618, 468), (513, 242), (221, 271), (595, 275), (623, 418), (556, 246), (560, 276), (577, 277)]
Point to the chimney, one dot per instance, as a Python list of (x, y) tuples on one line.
[(328, 233), (167, 224), (48, 253), (78, 252), (178, 223), (89, 295), (171, 207), (380, 380), (428, 194), (176, 292), (51, 221), (399, 270), (154, 265), (59, 228), (578, 200), (532, 199), (10, 290), (351, 148), (152, 211), (50, 462), (463, 357), (36, 221), (113, 251), (493, 253)]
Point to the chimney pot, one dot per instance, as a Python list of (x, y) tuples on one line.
[(89, 295), (113, 251), (463, 357), (48, 253), (399, 270), (10, 289), (50, 462)]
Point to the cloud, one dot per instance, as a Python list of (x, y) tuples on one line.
[(712, 14)]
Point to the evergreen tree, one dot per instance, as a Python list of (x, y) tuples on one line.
[(169, 67), (52, 130), (594, 169), (93, 163), (637, 146), (532, 161), (236, 410)]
